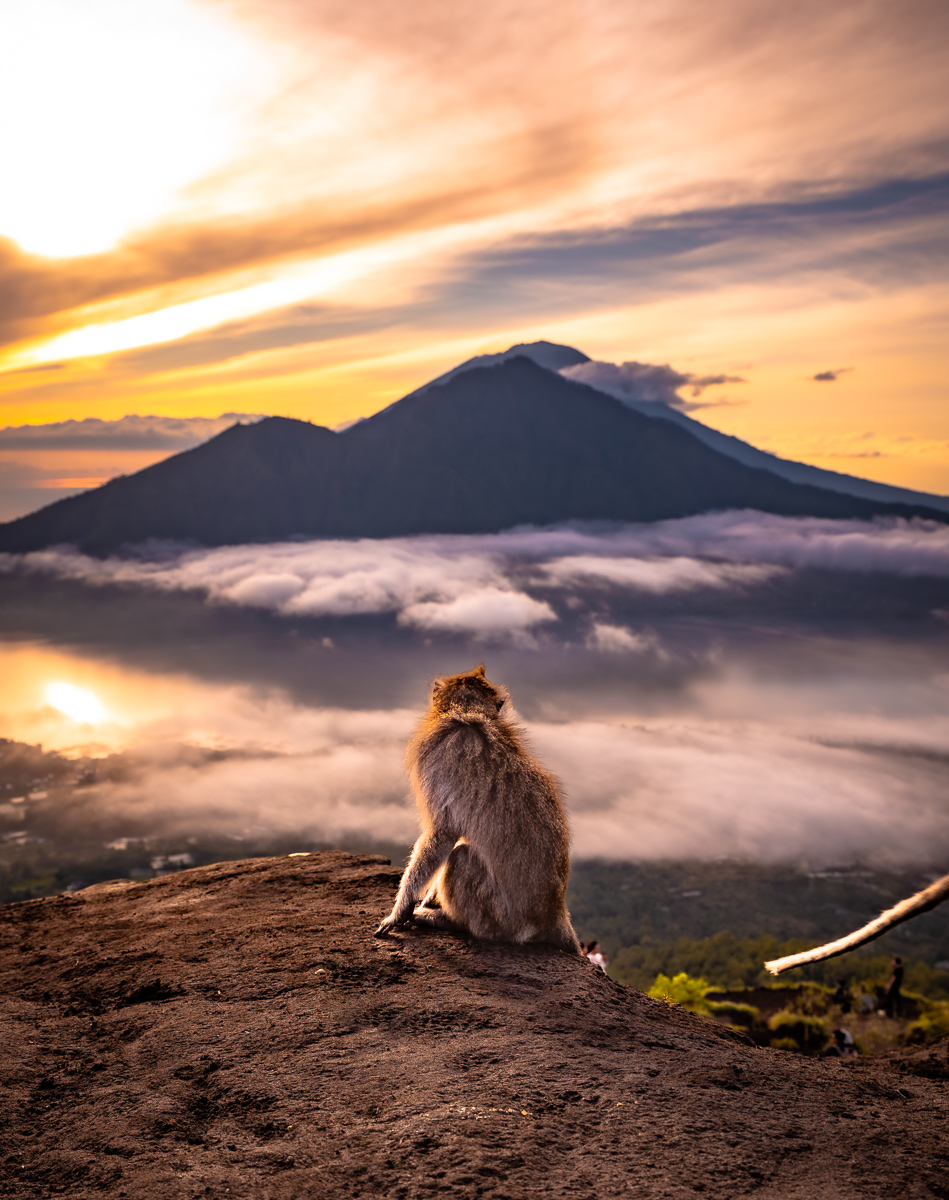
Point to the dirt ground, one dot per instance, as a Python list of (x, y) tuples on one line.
[(236, 1031)]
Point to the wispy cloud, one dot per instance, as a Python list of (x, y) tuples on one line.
[(657, 575), (645, 383), (830, 376), (43, 462), (125, 433), (347, 135)]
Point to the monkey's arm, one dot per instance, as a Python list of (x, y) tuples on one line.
[(904, 911), (431, 851)]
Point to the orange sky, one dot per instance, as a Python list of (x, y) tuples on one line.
[(310, 207)]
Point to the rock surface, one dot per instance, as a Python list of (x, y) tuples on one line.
[(236, 1031)]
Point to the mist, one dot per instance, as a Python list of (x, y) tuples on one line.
[(734, 686)]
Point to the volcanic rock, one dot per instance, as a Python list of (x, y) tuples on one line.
[(235, 1030)]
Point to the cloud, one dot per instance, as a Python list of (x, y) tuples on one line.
[(734, 771), (701, 788), (488, 612), (657, 575), (423, 121), (775, 731), (126, 433), (433, 584), (617, 639), (40, 463), (644, 383), (891, 546), (830, 376), (499, 586)]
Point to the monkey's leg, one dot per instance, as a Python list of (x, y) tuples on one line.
[(564, 937), (469, 896), (431, 851), (431, 899), (434, 918)]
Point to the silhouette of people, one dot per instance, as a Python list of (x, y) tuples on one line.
[(843, 997), (893, 997), (596, 955), (841, 1047)]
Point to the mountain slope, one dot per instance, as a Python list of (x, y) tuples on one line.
[(492, 448), (557, 357), (796, 472)]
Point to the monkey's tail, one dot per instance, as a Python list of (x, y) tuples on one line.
[(904, 911)]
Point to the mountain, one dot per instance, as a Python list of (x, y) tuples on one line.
[(235, 1031), (557, 357), (796, 472), (493, 447), (551, 355)]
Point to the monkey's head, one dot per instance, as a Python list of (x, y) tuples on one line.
[(470, 694)]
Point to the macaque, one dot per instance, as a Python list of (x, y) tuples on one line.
[(904, 911), (493, 857)]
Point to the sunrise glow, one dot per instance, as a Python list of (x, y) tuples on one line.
[(79, 704), (95, 143), (312, 209)]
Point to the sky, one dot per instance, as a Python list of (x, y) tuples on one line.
[(310, 208)]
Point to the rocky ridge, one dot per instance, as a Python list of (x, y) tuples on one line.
[(235, 1030)]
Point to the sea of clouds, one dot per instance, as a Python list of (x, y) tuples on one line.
[(503, 586), (796, 741), (715, 779)]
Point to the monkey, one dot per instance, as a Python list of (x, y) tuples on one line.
[(493, 857), (904, 911)]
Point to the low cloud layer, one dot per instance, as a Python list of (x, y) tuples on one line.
[(504, 585), (752, 783), (743, 723), (656, 575)]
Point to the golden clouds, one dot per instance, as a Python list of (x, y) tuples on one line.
[(301, 189)]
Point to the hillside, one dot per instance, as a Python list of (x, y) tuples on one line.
[(235, 1030), (493, 447)]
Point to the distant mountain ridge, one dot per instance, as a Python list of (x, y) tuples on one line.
[(556, 357), (488, 448)]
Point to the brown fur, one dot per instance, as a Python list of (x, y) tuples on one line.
[(493, 856), (904, 911)]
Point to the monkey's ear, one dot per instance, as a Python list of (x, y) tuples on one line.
[(500, 702), (479, 670)]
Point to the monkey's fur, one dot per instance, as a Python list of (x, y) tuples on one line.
[(904, 911), (493, 856)]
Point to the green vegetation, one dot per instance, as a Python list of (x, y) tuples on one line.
[(797, 1031), (731, 963), (681, 989), (802, 1017), (734, 1013), (931, 1024), (647, 905)]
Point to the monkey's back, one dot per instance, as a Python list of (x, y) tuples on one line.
[(473, 775)]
